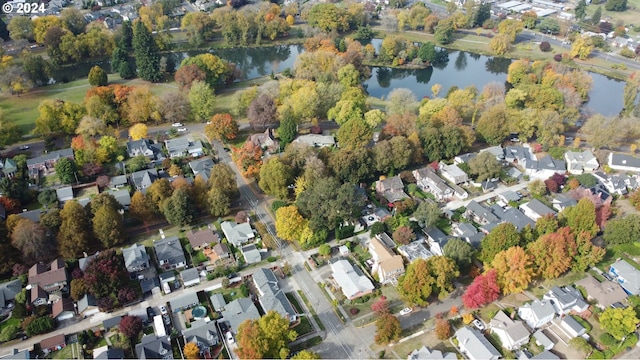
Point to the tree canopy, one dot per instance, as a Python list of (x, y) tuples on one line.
[(265, 338)]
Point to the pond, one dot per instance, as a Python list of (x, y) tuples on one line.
[(462, 69)]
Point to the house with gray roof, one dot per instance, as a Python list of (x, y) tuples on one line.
[(271, 296), (112, 323), (8, 292), (496, 151), (475, 346), (118, 181), (183, 302), (47, 162), (436, 240), (64, 194), (83, 262), (145, 148), (605, 293), (316, 140), (391, 189), (624, 162), (566, 300), (580, 161), (537, 313), (509, 196), (265, 141), (202, 238), (217, 302), (135, 258), (426, 353), (543, 340), (142, 179), (479, 213), (251, 254), (154, 347), (202, 167), (535, 209), (546, 355), (518, 154), (544, 167), (512, 333), (351, 280), (464, 158), (386, 240), (627, 276), (615, 183), (237, 234), (122, 196), (88, 305), (453, 173), (428, 180), (107, 352), (572, 327), (563, 201), (415, 250), (202, 333), (183, 146), (169, 253), (239, 310), (190, 277), (33, 215)]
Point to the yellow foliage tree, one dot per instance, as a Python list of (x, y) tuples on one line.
[(515, 269), (289, 223), (467, 318), (500, 44), (138, 131), (576, 142), (582, 47), (290, 20), (191, 351)]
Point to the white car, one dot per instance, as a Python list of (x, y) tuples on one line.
[(406, 311), (230, 337), (478, 324), (163, 310), (177, 125), (182, 129)]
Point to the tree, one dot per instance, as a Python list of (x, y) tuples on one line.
[(275, 177), (47, 197), (177, 208), (444, 31), (328, 17), (108, 226), (354, 134), (97, 76), (403, 235), (262, 112), (130, 326), (37, 68), (588, 255), (39, 325), (380, 306), (9, 333), (461, 252), (500, 44), (66, 170), (581, 10), (327, 203), (537, 188), (324, 249), (616, 5), (553, 253), (199, 27), (287, 130), (305, 354), (427, 214), (146, 53), (138, 131), (514, 269), (492, 125), (290, 225), (265, 338), (622, 230), (485, 166), (201, 99), (483, 290), (9, 132), (74, 235), (581, 218), (107, 279), (400, 100), (501, 238), (20, 28), (222, 127), (581, 47), (191, 350), (417, 283), (443, 329), (31, 240), (388, 329), (511, 28), (223, 189), (619, 322), (139, 207), (174, 107)]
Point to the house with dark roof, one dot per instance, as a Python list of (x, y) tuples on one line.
[(563, 201), (183, 146), (544, 167), (116, 182), (184, 302), (623, 162), (88, 306), (475, 346), (436, 240), (33, 215), (202, 167), (135, 258), (479, 213), (605, 293), (217, 302), (627, 276), (238, 311), (237, 234), (265, 141), (107, 352), (38, 296), (537, 313), (391, 189), (566, 300), (169, 253), (8, 292), (63, 309), (190, 277), (518, 154), (51, 278), (53, 343), (122, 196), (145, 148), (615, 183), (144, 178), (202, 333), (496, 151), (111, 323), (154, 347), (464, 158), (202, 238), (512, 333), (426, 353), (271, 296), (47, 162), (9, 167), (535, 209), (219, 254)]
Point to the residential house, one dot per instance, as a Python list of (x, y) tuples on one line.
[(535, 209), (436, 240), (112, 323), (386, 240), (497, 151), (563, 201), (459, 192), (8, 292), (145, 148), (388, 265), (604, 293), (537, 313), (238, 311), (271, 296), (88, 306), (514, 173), (544, 341), (251, 254), (51, 278), (509, 196), (350, 279), (426, 353), (512, 333), (202, 238), (479, 214), (415, 250), (202, 167), (428, 180), (135, 258), (572, 327), (490, 217), (202, 333), (38, 296), (183, 302), (154, 347), (169, 253), (16, 354), (615, 183), (219, 253), (316, 140), (142, 179), (64, 194), (53, 343), (122, 196), (464, 158), (9, 167), (33, 215), (183, 146), (627, 275), (468, 233), (453, 173), (190, 277), (518, 154), (391, 189), (579, 162), (566, 299), (47, 162), (166, 277), (265, 141), (544, 167), (107, 352), (474, 345), (237, 234), (63, 309), (218, 302), (624, 162)]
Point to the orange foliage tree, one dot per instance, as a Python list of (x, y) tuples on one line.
[(514, 269), (249, 159)]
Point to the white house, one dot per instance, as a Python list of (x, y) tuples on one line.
[(627, 275), (453, 173), (566, 299), (350, 279), (537, 313), (572, 327), (579, 162), (512, 333), (535, 209), (624, 162), (316, 140), (475, 346), (237, 234)]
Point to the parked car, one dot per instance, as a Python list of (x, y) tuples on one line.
[(182, 129), (167, 319), (163, 310), (177, 125), (150, 313), (478, 324), (24, 147), (230, 337), (607, 276), (406, 311)]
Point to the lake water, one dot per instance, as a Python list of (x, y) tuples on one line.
[(462, 69)]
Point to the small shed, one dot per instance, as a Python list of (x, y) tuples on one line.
[(53, 343), (543, 340), (344, 250)]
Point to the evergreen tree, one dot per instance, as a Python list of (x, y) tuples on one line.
[(125, 36), (146, 53), (597, 15), (581, 10)]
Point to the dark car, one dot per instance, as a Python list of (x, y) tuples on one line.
[(607, 276), (150, 313)]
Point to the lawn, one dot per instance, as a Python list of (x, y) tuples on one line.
[(10, 321), (68, 352), (229, 294), (311, 309), (294, 302), (304, 327), (306, 344), (622, 251)]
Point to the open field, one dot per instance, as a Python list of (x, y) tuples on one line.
[(629, 17)]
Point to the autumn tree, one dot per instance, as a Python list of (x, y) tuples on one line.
[(97, 76), (619, 322), (380, 306), (582, 47), (500, 44), (107, 279), (305, 354), (108, 226), (74, 235), (191, 350), (265, 338), (130, 326), (33, 242), (423, 277), (275, 177), (588, 254), (580, 218), (403, 235), (138, 131), (222, 190), (290, 225), (262, 112), (501, 238), (400, 101), (201, 99), (622, 230), (140, 209), (388, 329), (187, 75), (249, 159), (427, 214), (392, 155), (514, 269), (443, 329), (217, 71), (492, 125), (483, 290), (222, 127), (553, 253)]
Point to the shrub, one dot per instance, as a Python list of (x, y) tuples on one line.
[(626, 52), (278, 204), (545, 46), (354, 311), (607, 340), (271, 259), (557, 57)]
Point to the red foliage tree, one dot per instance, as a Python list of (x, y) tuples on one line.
[(130, 326), (241, 217), (483, 290), (552, 186), (91, 169), (222, 127), (102, 181), (403, 235), (559, 179), (11, 206), (603, 213), (186, 75), (380, 306), (443, 329)]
